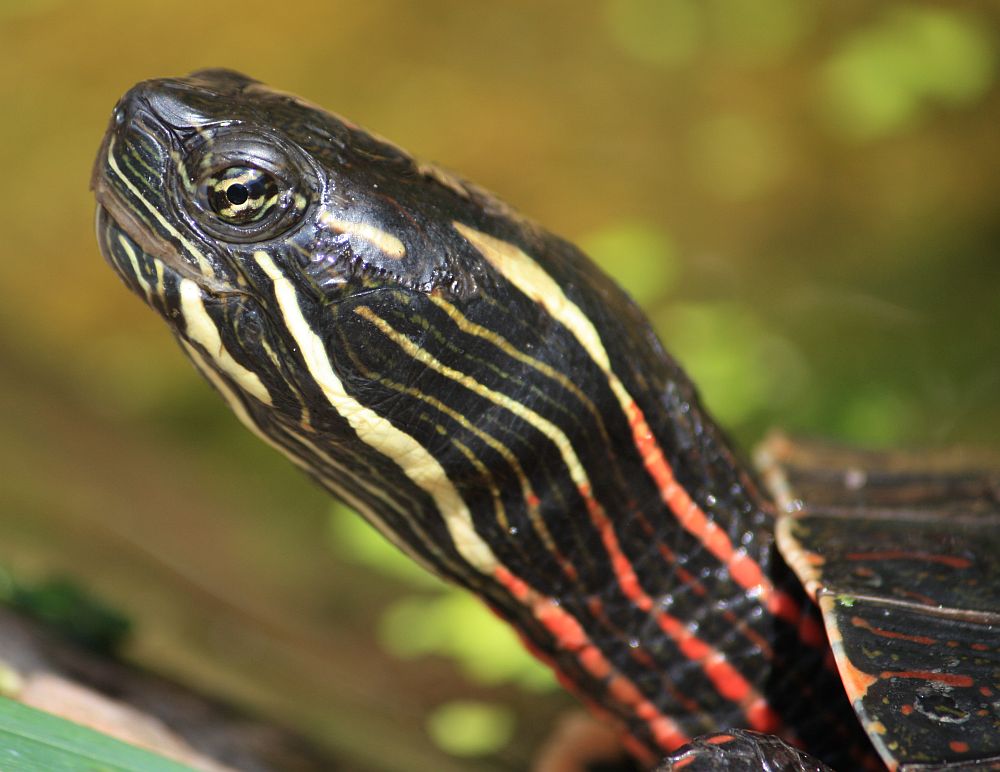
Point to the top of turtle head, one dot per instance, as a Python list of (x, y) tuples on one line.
[(201, 172)]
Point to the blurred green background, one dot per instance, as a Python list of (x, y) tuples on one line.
[(804, 196)]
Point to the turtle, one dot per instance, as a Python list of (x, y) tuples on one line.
[(502, 412)]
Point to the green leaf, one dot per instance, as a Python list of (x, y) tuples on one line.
[(32, 740)]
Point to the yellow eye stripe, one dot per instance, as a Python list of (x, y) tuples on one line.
[(203, 264)]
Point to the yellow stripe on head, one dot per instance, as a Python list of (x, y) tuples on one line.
[(521, 270), (200, 328), (203, 263), (375, 431), (528, 276), (386, 243), (529, 416)]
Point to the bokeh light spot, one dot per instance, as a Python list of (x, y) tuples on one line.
[(471, 728), (760, 31), (355, 540), (665, 33), (454, 624), (741, 368), (737, 157), (884, 78), (640, 257)]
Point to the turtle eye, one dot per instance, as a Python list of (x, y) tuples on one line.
[(240, 195)]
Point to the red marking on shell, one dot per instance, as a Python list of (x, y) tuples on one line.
[(856, 682), (719, 739), (926, 600), (981, 646), (952, 561), (949, 679), (906, 710), (986, 691), (958, 746), (864, 625)]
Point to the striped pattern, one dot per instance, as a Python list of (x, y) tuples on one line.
[(500, 411)]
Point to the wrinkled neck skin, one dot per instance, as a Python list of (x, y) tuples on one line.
[(483, 395)]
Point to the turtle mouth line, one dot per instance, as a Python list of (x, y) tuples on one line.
[(128, 210), (120, 222)]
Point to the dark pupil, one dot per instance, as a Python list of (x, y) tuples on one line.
[(237, 194), (242, 195)]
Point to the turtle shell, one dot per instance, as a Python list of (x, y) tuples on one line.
[(902, 555)]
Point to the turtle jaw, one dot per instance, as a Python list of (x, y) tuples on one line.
[(142, 230), (150, 277)]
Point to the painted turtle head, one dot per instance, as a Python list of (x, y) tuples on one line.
[(471, 384), (202, 171), (354, 306)]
